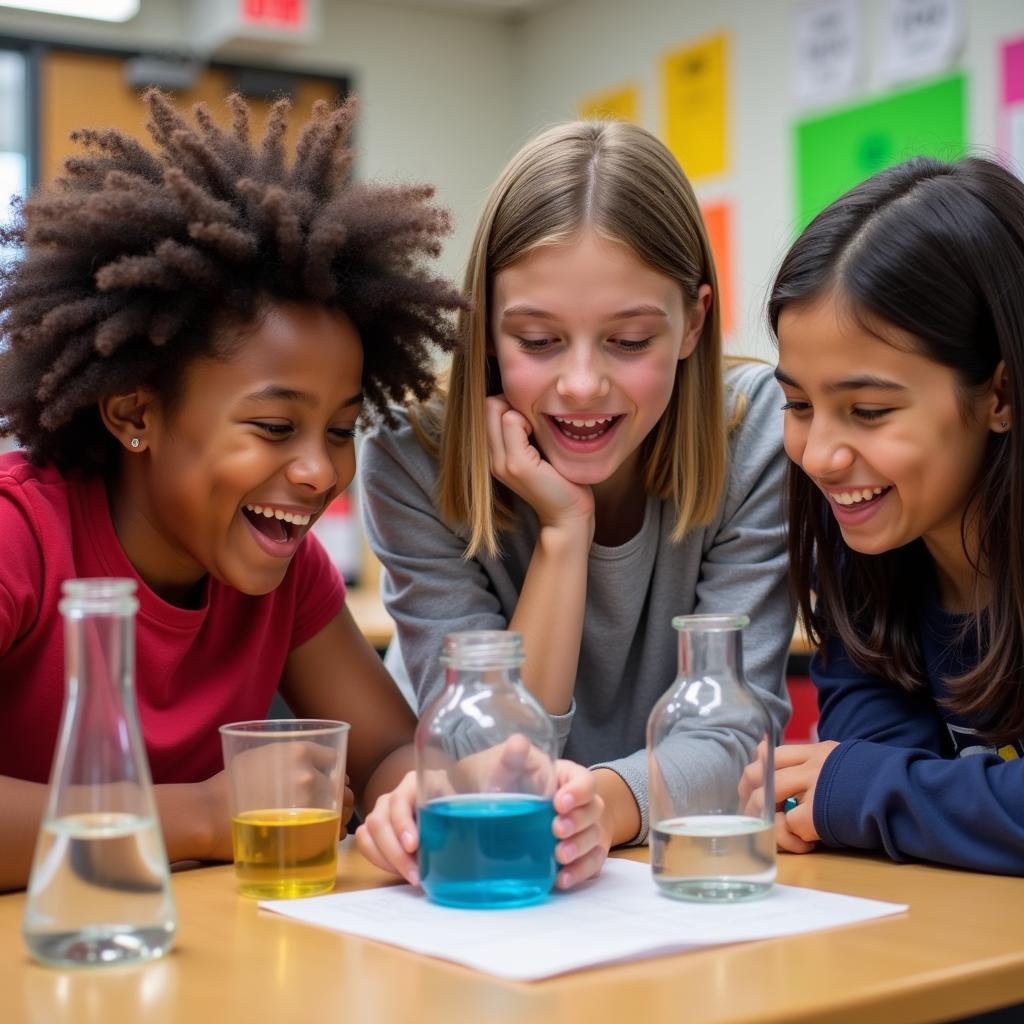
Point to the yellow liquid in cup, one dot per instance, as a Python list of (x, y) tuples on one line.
[(284, 853)]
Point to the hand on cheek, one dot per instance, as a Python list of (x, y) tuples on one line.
[(517, 463)]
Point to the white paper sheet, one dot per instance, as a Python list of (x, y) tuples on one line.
[(618, 916)]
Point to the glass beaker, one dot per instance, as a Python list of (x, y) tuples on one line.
[(710, 841), (485, 770), (286, 784), (99, 891)]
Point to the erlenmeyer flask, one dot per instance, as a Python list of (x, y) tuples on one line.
[(99, 892)]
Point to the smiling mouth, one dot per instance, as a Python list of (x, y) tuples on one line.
[(858, 497), (584, 428), (275, 524)]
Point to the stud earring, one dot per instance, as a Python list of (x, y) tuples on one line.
[(135, 442), (1004, 425)]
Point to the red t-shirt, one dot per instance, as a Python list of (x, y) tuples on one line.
[(194, 669)]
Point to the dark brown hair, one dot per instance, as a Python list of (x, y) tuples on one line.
[(935, 250), (133, 261)]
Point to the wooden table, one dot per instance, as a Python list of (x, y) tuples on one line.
[(959, 950)]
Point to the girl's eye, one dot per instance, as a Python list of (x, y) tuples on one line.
[(794, 406), (871, 414), (633, 345), (273, 429), (343, 433), (534, 344)]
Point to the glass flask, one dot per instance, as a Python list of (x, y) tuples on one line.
[(99, 892), (485, 772), (711, 840)]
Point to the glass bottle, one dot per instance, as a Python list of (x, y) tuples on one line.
[(485, 771), (99, 892), (711, 840)]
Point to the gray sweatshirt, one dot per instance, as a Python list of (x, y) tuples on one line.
[(628, 655)]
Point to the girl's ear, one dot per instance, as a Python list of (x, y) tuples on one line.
[(999, 409), (695, 321), (129, 417)]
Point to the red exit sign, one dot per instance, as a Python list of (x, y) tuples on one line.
[(286, 14)]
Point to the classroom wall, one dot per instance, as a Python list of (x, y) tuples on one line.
[(439, 101), (580, 47)]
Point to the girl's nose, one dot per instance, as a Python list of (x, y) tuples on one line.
[(826, 452), (314, 468), (582, 376)]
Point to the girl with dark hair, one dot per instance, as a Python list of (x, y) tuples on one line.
[(189, 340), (899, 314)]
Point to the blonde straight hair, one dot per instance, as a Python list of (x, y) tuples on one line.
[(620, 181)]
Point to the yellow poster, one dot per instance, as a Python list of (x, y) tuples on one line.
[(619, 104), (694, 85)]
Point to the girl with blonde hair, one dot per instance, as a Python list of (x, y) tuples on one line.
[(591, 469)]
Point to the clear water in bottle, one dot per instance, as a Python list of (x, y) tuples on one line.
[(98, 893), (726, 857), (711, 840)]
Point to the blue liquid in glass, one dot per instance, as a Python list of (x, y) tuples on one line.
[(487, 851)]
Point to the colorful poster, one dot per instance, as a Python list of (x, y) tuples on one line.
[(718, 221), (619, 104), (694, 99), (837, 151), (1011, 113)]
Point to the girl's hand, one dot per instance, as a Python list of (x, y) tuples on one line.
[(583, 844), (388, 838), (797, 768), (519, 465)]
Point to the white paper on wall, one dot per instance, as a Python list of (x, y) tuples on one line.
[(922, 37), (828, 51)]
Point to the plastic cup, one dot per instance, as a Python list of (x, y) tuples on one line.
[(286, 781)]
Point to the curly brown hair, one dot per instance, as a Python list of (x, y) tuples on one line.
[(133, 260)]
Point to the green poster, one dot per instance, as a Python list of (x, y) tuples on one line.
[(840, 149)]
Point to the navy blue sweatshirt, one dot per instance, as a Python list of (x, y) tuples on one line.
[(909, 777)]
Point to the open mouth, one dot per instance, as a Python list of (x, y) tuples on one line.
[(858, 498), (584, 428), (275, 524)]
